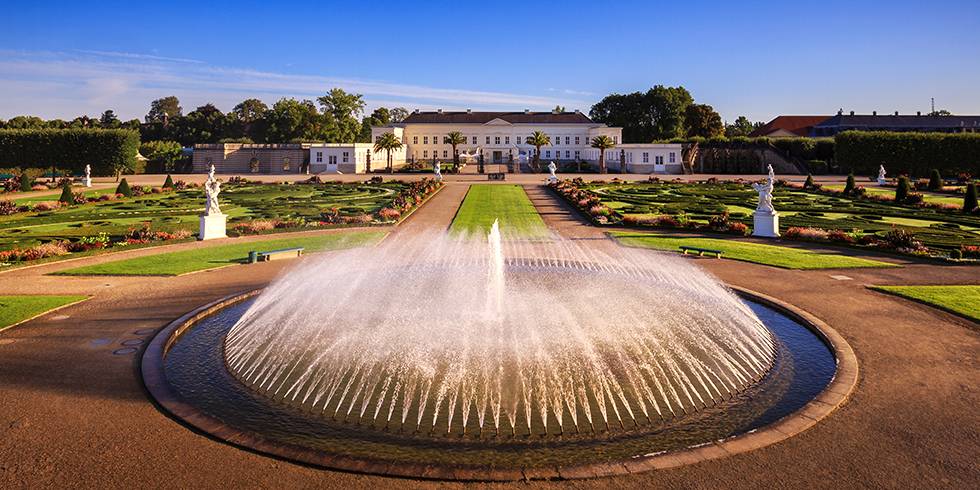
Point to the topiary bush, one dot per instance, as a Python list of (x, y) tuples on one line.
[(902, 191), (809, 182), (970, 199), (66, 195), (935, 181), (169, 183), (123, 188), (849, 186), (26, 182)]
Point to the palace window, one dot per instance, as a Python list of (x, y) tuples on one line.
[(496, 140), (566, 140), (445, 153), (319, 157), (547, 153), (415, 140), (425, 140), (577, 141), (488, 140), (577, 154), (659, 160), (673, 157), (568, 154), (646, 157), (615, 140), (346, 157), (474, 140), (425, 153), (377, 138), (331, 159), (506, 140)]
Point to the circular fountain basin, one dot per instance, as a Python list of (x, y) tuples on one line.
[(605, 427)]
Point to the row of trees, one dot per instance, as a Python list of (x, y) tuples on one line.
[(663, 113), (336, 117)]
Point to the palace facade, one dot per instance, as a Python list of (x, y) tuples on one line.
[(501, 138)]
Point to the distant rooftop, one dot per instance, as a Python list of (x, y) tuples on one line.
[(798, 125), (474, 117)]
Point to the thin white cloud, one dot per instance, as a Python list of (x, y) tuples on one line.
[(66, 84)]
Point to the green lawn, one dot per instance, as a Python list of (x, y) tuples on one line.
[(508, 203), (15, 309), (962, 300), (176, 263), (785, 257)]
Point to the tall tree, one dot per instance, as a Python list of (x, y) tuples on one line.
[(602, 143), (25, 122), (379, 117), (168, 106), (206, 124), (645, 117), (702, 120), (537, 140), (292, 120), (387, 143), (108, 119), (346, 110), (246, 120), (741, 127), (455, 138), (398, 114)]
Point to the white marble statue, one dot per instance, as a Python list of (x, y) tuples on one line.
[(474, 154), (552, 168), (211, 190), (765, 220), (437, 169), (88, 175), (881, 175), (765, 193)]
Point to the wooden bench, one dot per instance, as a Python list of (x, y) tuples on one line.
[(283, 253), (496, 176), (701, 251)]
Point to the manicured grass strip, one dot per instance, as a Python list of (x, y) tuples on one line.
[(785, 257), (508, 203), (961, 300), (176, 263), (15, 309)]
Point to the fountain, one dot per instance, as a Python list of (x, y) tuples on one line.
[(489, 337)]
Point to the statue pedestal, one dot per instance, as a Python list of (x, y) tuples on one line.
[(212, 226), (765, 223), (88, 181), (552, 179), (882, 182)]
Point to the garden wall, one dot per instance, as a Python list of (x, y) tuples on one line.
[(106, 150)]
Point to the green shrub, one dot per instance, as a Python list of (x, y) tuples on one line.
[(809, 182), (902, 191), (935, 181), (849, 185), (123, 188), (169, 183), (970, 199), (66, 195), (26, 182)]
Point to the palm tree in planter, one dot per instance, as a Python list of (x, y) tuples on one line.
[(537, 140), (455, 138), (387, 142), (602, 143)]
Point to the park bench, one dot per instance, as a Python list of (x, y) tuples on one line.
[(496, 176), (701, 251), (283, 253)]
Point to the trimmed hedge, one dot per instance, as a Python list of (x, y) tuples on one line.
[(915, 154), (106, 150)]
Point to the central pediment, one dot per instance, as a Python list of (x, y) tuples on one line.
[(497, 122)]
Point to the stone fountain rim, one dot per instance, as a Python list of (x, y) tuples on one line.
[(835, 395)]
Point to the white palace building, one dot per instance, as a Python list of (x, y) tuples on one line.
[(500, 137)]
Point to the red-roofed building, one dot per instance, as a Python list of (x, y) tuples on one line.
[(789, 126)]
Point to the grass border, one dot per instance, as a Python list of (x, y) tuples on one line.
[(52, 310), (879, 289)]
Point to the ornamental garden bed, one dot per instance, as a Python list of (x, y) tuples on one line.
[(727, 207), (46, 229)]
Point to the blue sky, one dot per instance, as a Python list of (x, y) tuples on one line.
[(759, 59)]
